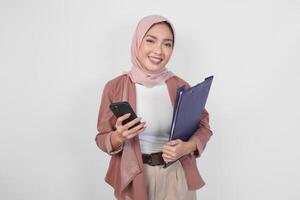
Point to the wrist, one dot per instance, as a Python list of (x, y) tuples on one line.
[(191, 146)]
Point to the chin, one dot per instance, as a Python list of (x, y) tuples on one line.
[(154, 68)]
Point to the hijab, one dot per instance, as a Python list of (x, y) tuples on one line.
[(138, 73)]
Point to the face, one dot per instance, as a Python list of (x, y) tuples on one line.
[(156, 47)]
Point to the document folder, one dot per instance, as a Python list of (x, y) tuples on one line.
[(189, 106)]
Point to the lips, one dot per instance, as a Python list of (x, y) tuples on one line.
[(155, 60)]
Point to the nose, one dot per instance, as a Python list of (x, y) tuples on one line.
[(157, 49)]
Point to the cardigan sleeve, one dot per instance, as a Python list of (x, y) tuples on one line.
[(203, 134), (106, 122)]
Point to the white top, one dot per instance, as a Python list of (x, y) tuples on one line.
[(154, 106)]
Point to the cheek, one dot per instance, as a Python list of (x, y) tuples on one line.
[(141, 54), (168, 53), (143, 51)]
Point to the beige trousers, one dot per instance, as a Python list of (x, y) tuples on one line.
[(167, 183)]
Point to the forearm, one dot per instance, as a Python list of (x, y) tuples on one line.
[(109, 143)]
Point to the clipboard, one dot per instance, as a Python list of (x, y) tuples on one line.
[(190, 103)]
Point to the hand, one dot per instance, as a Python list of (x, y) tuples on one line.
[(175, 149), (123, 132)]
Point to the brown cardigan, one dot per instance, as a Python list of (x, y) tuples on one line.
[(125, 172)]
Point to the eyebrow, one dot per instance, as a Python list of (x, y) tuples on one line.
[(156, 38)]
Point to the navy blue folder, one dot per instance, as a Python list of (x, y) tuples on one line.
[(189, 106)]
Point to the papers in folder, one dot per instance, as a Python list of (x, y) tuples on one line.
[(189, 106)]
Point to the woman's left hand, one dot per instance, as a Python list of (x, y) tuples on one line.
[(175, 149)]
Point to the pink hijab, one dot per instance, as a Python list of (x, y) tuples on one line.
[(138, 73)]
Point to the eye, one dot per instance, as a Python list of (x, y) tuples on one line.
[(150, 41), (168, 44)]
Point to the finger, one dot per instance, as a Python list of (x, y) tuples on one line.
[(136, 133), (136, 128), (173, 142), (133, 135), (167, 158), (121, 119), (130, 132), (169, 153), (168, 149), (133, 122), (121, 129)]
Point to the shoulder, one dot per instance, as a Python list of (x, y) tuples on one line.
[(114, 85), (178, 81), (116, 81)]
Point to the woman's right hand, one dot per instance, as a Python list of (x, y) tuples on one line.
[(123, 132)]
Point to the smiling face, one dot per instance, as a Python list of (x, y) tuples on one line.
[(156, 47)]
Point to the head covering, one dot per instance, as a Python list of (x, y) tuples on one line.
[(139, 73)]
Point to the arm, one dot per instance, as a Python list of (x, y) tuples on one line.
[(107, 139), (202, 135)]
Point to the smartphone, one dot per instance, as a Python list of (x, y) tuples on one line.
[(122, 108)]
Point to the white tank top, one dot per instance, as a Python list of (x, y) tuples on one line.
[(155, 107)]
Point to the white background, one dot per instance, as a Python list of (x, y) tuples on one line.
[(56, 56)]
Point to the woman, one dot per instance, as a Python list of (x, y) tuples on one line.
[(137, 155)]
